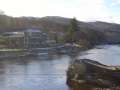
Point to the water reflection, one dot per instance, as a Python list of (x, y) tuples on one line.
[(48, 72), (31, 73)]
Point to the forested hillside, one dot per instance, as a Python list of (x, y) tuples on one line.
[(89, 32)]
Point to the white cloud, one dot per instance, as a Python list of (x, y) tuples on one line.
[(115, 2), (82, 9)]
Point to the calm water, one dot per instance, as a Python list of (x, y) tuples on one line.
[(40, 73), (48, 72), (107, 54)]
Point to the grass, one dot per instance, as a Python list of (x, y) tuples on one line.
[(13, 50)]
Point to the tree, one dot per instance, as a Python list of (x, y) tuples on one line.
[(73, 28)]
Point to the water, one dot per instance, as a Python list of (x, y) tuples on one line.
[(106, 54), (34, 73), (48, 72)]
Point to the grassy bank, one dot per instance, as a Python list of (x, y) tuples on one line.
[(11, 50)]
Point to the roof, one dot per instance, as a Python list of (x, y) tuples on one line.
[(32, 30), (25, 30)]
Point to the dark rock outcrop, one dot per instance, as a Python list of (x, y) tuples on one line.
[(93, 73)]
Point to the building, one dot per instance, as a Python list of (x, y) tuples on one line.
[(35, 38), (30, 38)]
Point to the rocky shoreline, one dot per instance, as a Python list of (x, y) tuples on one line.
[(60, 49), (88, 73)]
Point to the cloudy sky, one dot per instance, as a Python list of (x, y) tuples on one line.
[(85, 10)]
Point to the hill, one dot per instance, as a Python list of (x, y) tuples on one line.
[(94, 32)]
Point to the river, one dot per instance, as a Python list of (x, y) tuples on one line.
[(48, 72), (45, 72), (105, 54)]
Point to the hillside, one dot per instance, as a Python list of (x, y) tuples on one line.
[(109, 31), (54, 25)]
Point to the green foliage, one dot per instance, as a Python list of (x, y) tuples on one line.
[(72, 31), (84, 37)]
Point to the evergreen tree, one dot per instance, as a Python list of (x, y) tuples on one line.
[(71, 35)]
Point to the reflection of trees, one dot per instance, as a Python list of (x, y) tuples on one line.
[(76, 86)]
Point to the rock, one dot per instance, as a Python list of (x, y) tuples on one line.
[(92, 72)]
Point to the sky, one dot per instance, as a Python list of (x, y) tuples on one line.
[(84, 10)]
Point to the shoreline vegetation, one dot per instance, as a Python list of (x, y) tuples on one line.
[(69, 43)]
